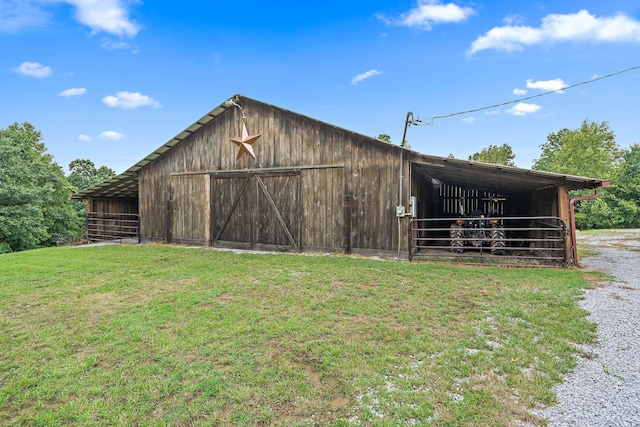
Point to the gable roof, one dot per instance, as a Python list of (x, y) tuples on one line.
[(464, 173)]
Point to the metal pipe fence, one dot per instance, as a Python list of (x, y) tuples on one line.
[(103, 226), (542, 238)]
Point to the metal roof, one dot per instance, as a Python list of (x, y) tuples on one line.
[(499, 178), (463, 173), (126, 184)]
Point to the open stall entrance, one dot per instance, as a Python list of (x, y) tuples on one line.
[(474, 212)]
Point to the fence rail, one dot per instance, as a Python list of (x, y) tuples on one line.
[(534, 238), (112, 226)]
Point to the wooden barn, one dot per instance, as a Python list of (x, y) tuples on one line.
[(252, 175)]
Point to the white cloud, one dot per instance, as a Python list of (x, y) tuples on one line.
[(469, 120), (74, 91), (547, 85), (129, 100), (521, 109), (492, 112), (111, 135), (33, 69), (360, 77), (109, 16), (83, 138), (557, 28), (430, 12), (519, 92)]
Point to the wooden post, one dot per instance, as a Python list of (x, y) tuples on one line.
[(563, 213)]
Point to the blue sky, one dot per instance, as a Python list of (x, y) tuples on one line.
[(112, 80)]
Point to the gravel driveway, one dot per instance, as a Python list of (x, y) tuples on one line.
[(604, 390)]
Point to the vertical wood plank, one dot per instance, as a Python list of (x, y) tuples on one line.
[(207, 209)]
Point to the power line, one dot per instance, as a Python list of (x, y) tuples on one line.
[(418, 122)]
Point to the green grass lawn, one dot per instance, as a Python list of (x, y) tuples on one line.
[(162, 335)]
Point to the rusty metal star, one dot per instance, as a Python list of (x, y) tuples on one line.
[(244, 143)]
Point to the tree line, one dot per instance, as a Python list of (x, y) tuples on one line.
[(36, 210)]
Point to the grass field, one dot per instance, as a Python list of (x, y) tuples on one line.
[(161, 335)]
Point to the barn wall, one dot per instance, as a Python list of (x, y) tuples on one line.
[(190, 214), (113, 205), (373, 181), (154, 188), (335, 165), (544, 203)]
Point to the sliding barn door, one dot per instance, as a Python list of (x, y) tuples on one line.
[(254, 210)]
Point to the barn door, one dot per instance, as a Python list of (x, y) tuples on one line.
[(255, 210), (188, 219)]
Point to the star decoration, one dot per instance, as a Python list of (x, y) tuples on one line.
[(244, 143)]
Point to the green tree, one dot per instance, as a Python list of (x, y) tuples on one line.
[(498, 155), (383, 137), (591, 151), (83, 173), (624, 194), (35, 209)]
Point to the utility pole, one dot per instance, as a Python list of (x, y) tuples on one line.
[(407, 122)]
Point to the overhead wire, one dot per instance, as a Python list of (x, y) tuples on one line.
[(419, 122)]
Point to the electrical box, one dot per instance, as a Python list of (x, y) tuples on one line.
[(413, 206), (400, 211)]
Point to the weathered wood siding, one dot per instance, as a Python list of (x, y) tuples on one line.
[(189, 209), (322, 206), (544, 203), (318, 168), (113, 205), (372, 181), (257, 209)]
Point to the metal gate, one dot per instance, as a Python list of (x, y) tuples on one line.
[(540, 238), (105, 226)]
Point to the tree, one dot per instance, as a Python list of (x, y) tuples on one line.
[(589, 151), (383, 137), (35, 209), (498, 155), (83, 173), (624, 194)]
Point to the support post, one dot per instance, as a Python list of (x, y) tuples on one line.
[(563, 213)]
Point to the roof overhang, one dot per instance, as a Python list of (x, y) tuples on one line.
[(498, 178)]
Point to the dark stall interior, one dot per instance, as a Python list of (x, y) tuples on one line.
[(524, 205)]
